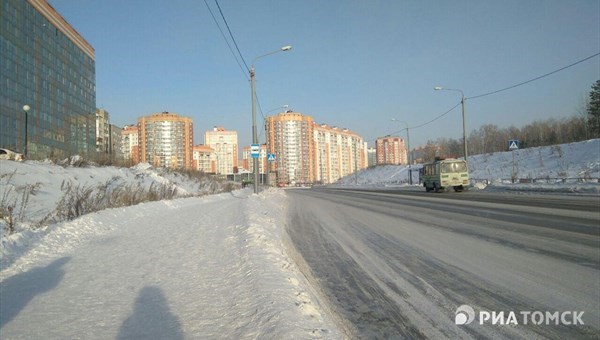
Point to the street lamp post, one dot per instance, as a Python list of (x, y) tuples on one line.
[(26, 109), (407, 149), (254, 134), (462, 101)]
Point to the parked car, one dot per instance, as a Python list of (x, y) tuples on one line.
[(11, 155)]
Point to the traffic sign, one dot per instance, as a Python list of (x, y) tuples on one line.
[(513, 144), (255, 150), (271, 157)]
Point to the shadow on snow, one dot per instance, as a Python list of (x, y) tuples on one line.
[(151, 318), (18, 290)]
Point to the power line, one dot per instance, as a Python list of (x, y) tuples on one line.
[(227, 41), (231, 35), (421, 125), (494, 92), (534, 79), (436, 118)]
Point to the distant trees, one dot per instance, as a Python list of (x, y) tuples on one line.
[(593, 110), (490, 138)]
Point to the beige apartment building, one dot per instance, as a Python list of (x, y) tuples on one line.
[(225, 146), (205, 159), (307, 152), (391, 150), (130, 144), (166, 140), (289, 136), (338, 153)]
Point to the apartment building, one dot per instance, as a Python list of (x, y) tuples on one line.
[(50, 68), (130, 144), (338, 153), (102, 131), (307, 152), (115, 148), (390, 150), (371, 157), (225, 146), (166, 140), (205, 159), (248, 163), (289, 136)]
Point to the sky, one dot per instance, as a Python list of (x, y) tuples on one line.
[(354, 64)]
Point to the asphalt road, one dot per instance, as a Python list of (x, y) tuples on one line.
[(399, 264)]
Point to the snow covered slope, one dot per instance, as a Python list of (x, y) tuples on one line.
[(573, 167)]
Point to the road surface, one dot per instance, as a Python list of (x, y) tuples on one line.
[(398, 265)]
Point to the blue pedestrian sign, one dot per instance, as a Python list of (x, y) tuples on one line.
[(255, 150), (271, 157), (513, 144)]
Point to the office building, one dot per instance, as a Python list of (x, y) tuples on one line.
[(48, 66)]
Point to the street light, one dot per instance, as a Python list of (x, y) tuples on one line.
[(254, 134), (462, 101), (407, 148), (26, 109)]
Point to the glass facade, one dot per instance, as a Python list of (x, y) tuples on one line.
[(45, 64)]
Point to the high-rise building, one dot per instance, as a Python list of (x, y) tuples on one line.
[(371, 157), (289, 136), (338, 153), (166, 140), (205, 159), (390, 150), (115, 143), (307, 152), (49, 67), (225, 146), (130, 144), (102, 131), (248, 162)]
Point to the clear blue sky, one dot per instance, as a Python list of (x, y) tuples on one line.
[(354, 64)]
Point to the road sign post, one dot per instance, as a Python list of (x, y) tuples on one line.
[(513, 145)]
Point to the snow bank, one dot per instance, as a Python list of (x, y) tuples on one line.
[(35, 188), (573, 168), (210, 267)]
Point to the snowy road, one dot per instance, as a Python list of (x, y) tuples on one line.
[(197, 268), (399, 265)]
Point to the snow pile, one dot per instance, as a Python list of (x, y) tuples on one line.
[(35, 189), (573, 167)]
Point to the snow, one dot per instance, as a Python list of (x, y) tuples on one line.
[(213, 266), (570, 168), (203, 265)]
